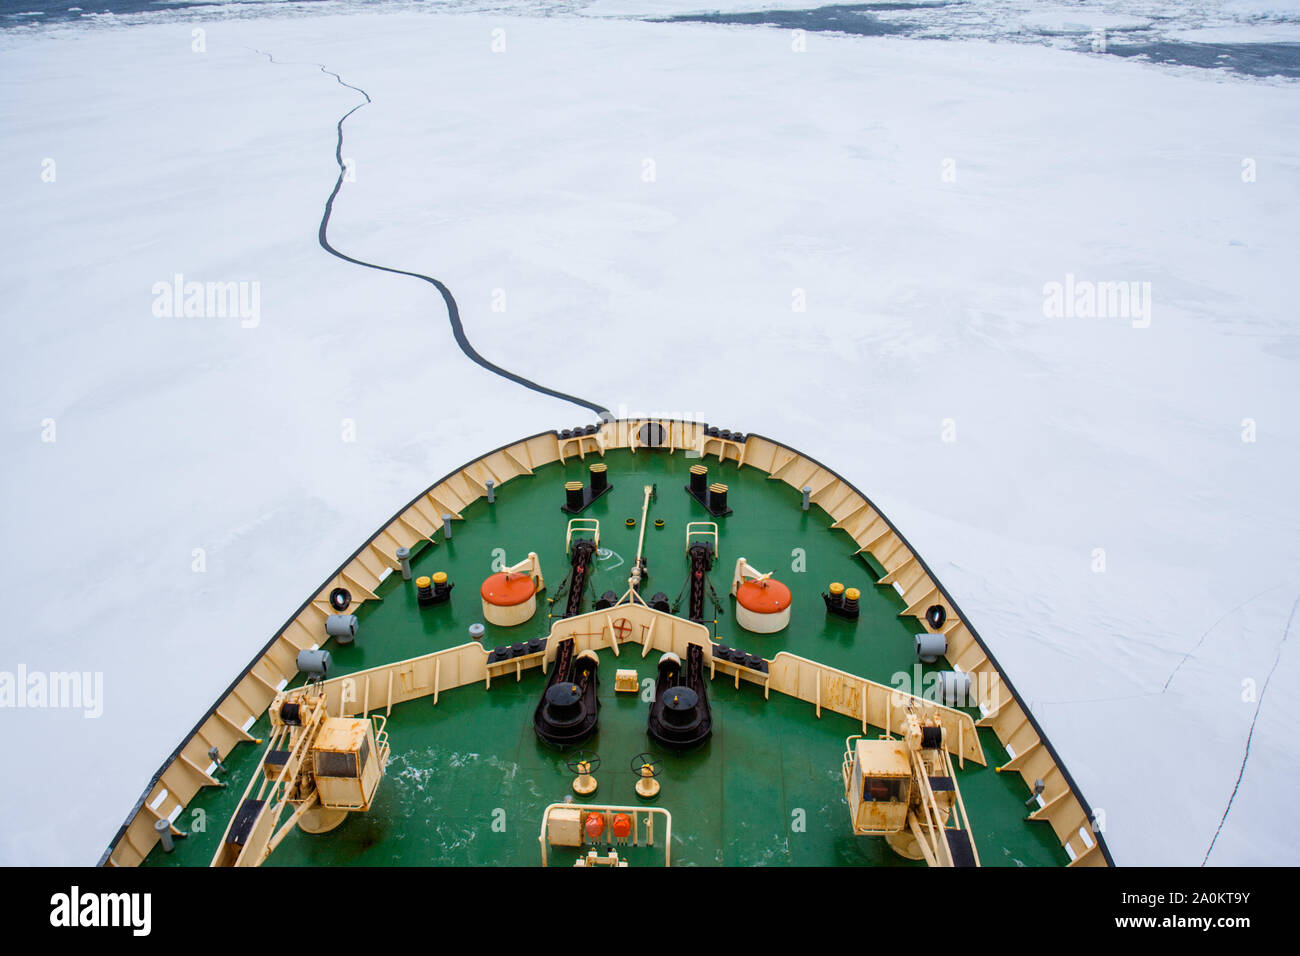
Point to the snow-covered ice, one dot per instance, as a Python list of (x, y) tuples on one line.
[(917, 195)]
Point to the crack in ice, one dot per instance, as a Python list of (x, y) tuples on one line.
[(1246, 756)]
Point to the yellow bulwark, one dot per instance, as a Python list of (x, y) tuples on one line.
[(189, 768)]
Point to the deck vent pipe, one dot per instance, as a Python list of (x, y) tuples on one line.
[(341, 627), (404, 559), (807, 496), (491, 491), (954, 689), (314, 663), (476, 632), (446, 527), (164, 828), (930, 647)]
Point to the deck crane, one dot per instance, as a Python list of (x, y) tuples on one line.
[(322, 767), (906, 791)]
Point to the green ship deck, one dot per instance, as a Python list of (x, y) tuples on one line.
[(468, 779)]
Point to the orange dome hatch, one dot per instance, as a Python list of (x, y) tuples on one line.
[(763, 597), (507, 590)]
